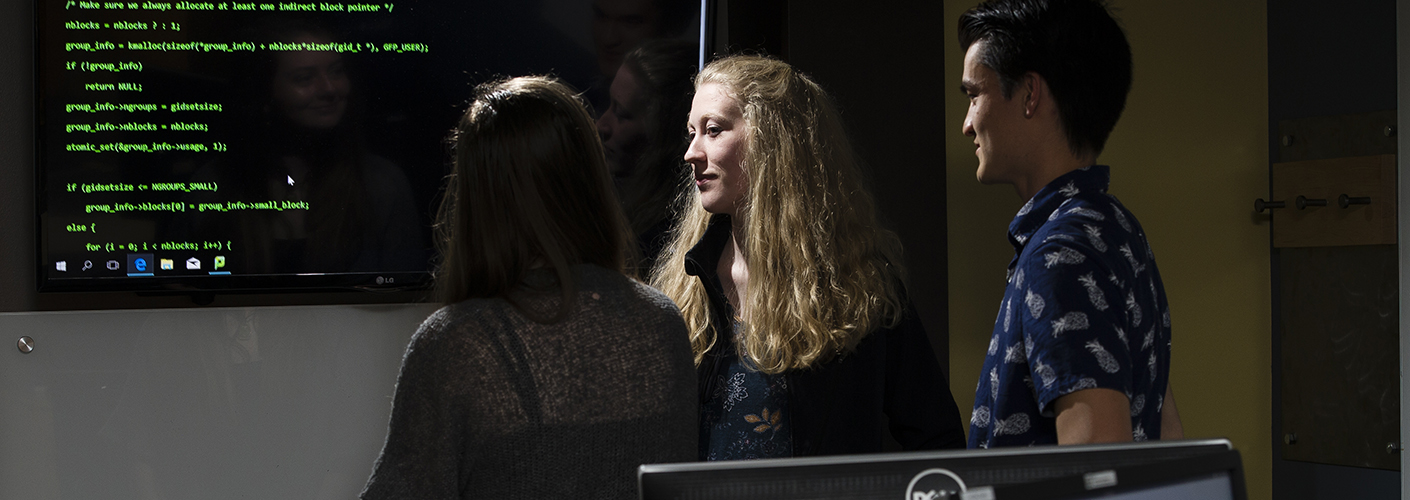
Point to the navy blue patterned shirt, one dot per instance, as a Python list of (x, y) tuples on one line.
[(748, 416), (1084, 308)]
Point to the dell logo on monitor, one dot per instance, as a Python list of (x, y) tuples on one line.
[(935, 484)]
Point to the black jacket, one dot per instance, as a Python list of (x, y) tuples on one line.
[(840, 407)]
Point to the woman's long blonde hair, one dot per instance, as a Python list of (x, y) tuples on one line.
[(822, 272)]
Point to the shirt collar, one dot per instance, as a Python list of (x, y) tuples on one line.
[(1041, 207), (703, 259)]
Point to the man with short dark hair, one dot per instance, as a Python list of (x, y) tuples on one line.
[(1081, 347)]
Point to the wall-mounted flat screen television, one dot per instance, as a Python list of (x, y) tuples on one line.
[(273, 145)]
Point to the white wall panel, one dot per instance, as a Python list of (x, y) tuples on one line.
[(276, 402)]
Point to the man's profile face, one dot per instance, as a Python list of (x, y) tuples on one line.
[(993, 121)]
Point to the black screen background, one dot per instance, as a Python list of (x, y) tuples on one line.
[(404, 105)]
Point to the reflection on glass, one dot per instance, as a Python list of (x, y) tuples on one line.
[(301, 120), (619, 26), (350, 138), (642, 134)]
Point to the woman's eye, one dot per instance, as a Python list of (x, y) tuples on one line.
[(713, 131), (301, 77)]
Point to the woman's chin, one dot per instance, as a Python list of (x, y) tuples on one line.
[(715, 206)]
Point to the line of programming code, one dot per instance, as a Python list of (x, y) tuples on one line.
[(228, 47), (227, 6)]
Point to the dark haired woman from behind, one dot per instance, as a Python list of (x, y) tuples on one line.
[(548, 374)]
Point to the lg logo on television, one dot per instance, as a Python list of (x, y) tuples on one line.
[(935, 484)]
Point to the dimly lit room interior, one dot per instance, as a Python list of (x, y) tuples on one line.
[(1258, 144)]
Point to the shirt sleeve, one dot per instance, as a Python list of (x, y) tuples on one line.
[(422, 455), (921, 412), (1076, 315)]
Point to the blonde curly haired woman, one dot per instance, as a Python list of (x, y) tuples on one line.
[(804, 340)]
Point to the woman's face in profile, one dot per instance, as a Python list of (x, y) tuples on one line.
[(311, 89), (622, 127), (718, 138)]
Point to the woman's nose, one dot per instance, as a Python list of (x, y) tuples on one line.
[(604, 125), (694, 153)]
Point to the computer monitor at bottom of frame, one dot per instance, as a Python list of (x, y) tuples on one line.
[(1211, 477), (892, 476)]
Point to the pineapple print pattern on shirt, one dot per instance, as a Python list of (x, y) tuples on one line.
[(1085, 301)]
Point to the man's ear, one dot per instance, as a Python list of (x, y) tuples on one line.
[(1033, 90)]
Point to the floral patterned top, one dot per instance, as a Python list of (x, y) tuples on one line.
[(747, 416)]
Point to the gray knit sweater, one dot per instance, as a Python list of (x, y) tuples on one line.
[(490, 404)]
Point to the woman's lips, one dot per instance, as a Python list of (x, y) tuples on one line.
[(326, 109), (700, 180)]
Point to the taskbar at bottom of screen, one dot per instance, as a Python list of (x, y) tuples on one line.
[(226, 281)]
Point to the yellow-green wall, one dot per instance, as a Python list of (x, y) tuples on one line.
[(1188, 157)]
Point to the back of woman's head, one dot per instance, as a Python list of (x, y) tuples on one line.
[(529, 189), (823, 273)]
